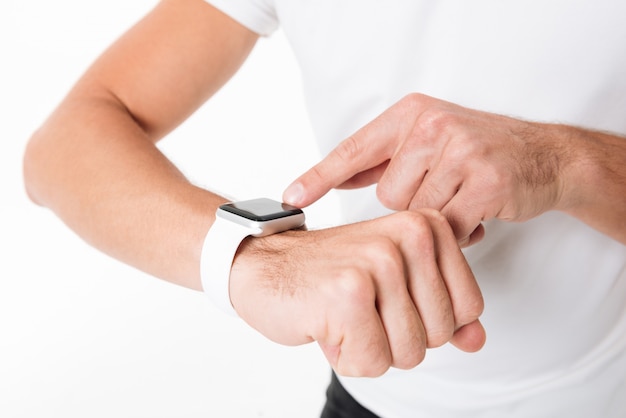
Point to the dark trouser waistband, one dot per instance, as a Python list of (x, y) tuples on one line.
[(340, 404)]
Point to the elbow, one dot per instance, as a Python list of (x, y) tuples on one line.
[(31, 169)]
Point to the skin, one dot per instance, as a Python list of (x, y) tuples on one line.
[(474, 166), (373, 295), (370, 294)]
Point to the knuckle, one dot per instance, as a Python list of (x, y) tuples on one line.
[(317, 173), (379, 244), (352, 287), (376, 369), (461, 150), (374, 366), (384, 253), (413, 100), (369, 370), (471, 310), (434, 121), (349, 149), (414, 356), (415, 229), (429, 195), (435, 216), (410, 219), (493, 177), (389, 189), (440, 325), (385, 194), (439, 336), (387, 263)]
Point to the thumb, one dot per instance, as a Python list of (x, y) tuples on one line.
[(469, 338)]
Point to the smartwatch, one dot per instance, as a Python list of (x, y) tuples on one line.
[(233, 223)]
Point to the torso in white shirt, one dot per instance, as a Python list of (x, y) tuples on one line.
[(555, 290)]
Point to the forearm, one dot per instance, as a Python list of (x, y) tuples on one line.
[(594, 185), (103, 176), (474, 166)]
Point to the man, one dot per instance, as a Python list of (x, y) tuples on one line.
[(376, 294)]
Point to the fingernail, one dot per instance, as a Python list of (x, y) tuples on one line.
[(294, 194)]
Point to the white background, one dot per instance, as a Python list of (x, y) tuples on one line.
[(82, 335)]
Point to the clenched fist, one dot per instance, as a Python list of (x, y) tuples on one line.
[(374, 294)]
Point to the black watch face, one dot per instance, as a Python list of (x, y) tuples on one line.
[(261, 210)]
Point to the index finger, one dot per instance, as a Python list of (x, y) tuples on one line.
[(364, 150)]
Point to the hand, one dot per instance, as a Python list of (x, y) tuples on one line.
[(427, 153), (373, 295)]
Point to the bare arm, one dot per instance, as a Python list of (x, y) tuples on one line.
[(594, 188), (95, 164), (475, 166), (94, 161)]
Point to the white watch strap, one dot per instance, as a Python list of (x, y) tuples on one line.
[(218, 251)]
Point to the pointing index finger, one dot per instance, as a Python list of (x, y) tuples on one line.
[(360, 152)]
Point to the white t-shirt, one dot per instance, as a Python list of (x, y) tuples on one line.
[(554, 289)]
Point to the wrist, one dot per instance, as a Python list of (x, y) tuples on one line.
[(266, 264), (233, 223), (550, 164), (579, 170), (594, 186)]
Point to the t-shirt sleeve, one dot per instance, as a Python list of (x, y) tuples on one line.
[(257, 15)]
